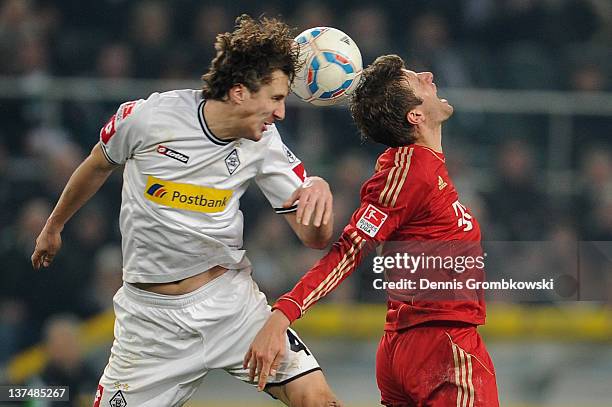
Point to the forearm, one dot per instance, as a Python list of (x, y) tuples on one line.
[(82, 185), (329, 272)]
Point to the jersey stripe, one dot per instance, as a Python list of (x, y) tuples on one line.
[(396, 177), (337, 278), (457, 375), (469, 378), (398, 174), (463, 375), (403, 178), (389, 177), (340, 264), (463, 359), (346, 268), (324, 285)]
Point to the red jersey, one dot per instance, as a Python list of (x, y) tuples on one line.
[(409, 198)]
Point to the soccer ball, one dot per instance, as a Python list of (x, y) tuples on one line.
[(331, 66)]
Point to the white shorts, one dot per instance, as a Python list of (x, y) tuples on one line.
[(165, 345)]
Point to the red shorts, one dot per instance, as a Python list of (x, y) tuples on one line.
[(437, 365)]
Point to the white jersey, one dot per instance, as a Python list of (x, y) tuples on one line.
[(180, 209)]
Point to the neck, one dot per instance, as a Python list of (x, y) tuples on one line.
[(430, 137), (221, 119)]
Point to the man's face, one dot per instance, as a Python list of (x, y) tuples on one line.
[(436, 110), (264, 107)]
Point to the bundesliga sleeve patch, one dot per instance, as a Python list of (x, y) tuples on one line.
[(371, 220)]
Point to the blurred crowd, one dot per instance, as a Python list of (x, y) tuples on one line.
[(498, 162), (545, 44)]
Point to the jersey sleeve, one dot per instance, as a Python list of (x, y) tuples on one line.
[(125, 131), (280, 175), (388, 199)]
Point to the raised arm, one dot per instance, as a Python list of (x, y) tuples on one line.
[(82, 185)]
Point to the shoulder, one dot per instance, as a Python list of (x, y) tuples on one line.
[(135, 112), (160, 108), (175, 102), (399, 171), (406, 156), (179, 97), (271, 137), (401, 162)]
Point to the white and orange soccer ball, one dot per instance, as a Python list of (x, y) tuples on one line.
[(331, 66)]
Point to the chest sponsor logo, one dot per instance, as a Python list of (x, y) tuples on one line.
[(371, 220), (187, 196), (290, 156), (168, 152), (118, 400), (441, 183), (232, 161)]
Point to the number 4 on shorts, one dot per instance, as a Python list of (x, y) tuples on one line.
[(295, 343)]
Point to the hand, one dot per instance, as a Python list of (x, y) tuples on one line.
[(315, 201), (267, 349), (48, 244)]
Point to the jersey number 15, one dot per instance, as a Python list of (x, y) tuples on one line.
[(465, 219)]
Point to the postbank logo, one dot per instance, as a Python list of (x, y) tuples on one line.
[(187, 196)]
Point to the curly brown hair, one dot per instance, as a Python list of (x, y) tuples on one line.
[(249, 55), (381, 101)]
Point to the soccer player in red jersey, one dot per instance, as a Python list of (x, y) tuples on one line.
[(431, 353)]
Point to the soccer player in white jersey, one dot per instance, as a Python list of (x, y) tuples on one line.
[(188, 303)]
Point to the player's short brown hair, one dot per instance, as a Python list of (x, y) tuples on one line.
[(249, 55), (381, 101)]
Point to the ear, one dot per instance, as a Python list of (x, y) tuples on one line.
[(415, 116), (238, 93)]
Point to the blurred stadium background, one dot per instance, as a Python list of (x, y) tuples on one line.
[(529, 148)]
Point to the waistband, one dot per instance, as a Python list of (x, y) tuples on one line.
[(448, 324), (179, 301)]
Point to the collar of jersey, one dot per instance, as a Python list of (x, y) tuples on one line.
[(205, 128), (438, 155)]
